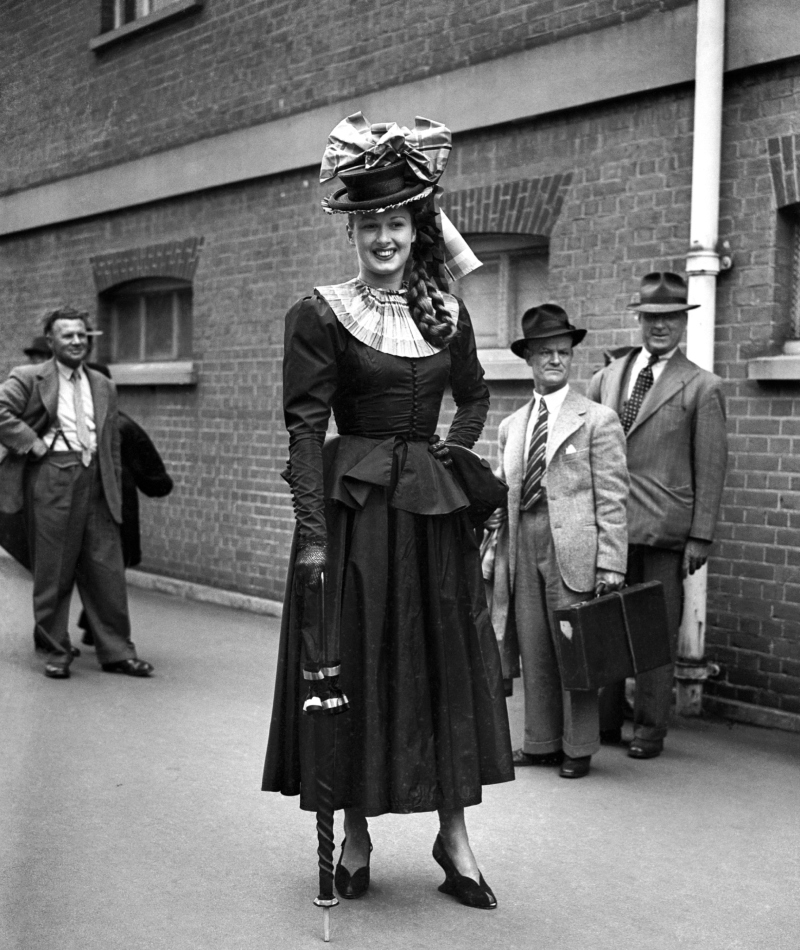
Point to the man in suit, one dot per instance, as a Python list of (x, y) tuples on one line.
[(673, 414), (58, 426), (563, 458)]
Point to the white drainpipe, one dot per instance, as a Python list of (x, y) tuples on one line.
[(702, 267)]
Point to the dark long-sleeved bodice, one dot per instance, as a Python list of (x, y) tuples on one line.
[(378, 397), (406, 615)]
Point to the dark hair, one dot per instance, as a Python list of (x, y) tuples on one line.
[(64, 313), (424, 297)]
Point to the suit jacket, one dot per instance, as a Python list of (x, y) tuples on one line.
[(677, 451), (587, 489), (29, 405)]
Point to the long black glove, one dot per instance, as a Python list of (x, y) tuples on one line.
[(309, 563)]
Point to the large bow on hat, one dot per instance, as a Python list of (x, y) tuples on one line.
[(355, 142)]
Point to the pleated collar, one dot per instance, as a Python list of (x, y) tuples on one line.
[(380, 318)]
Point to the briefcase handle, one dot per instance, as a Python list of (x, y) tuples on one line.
[(618, 593)]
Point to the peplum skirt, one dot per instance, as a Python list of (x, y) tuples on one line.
[(427, 725)]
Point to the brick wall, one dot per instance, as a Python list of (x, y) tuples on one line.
[(67, 110), (625, 212)]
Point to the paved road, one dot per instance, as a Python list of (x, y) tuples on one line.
[(130, 818)]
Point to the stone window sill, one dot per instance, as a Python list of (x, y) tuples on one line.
[(783, 368), (176, 373), (502, 364), (177, 9)]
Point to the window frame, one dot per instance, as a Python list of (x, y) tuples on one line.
[(112, 32), (178, 370), (498, 362)]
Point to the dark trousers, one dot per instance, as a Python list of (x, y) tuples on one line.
[(654, 688), (74, 540)]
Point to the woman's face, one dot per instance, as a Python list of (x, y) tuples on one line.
[(383, 243)]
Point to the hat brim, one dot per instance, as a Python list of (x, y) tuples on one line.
[(662, 307), (518, 346), (337, 204)]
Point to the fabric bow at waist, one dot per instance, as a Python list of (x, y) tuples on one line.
[(417, 482)]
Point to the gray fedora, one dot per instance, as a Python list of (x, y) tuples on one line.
[(542, 322), (663, 292)]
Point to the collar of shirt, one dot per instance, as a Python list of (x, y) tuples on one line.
[(554, 402), (641, 361), (66, 371)]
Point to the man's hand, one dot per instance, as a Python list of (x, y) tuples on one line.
[(606, 581), (438, 448), (38, 449), (695, 555)]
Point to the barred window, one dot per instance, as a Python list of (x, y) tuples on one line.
[(149, 321), (121, 19), (126, 11), (514, 277)]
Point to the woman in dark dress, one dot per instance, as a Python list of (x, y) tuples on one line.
[(379, 511)]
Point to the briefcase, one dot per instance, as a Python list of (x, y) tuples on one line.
[(602, 641)]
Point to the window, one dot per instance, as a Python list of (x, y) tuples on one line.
[(145, 302), (122, 18), (150, 321), (126, 11), (512, 279)]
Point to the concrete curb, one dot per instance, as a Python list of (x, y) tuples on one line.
[(209, 595), (752, 715)]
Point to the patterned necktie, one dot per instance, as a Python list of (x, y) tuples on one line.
[(80, 418), (534, 470), (643, 383)]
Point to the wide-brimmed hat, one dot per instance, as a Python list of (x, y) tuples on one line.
[(39, 346), (540, 323), (377, 189), (383, 165), (663, 292)]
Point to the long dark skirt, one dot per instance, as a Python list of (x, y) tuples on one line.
[(427, 725)]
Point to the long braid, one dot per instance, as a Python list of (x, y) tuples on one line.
[(424, 299)]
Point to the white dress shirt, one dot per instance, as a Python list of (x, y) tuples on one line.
[(639, 364), (554, 402), (66, 411)]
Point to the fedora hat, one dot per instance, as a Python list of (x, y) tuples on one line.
[(663, 292), (40, 346), (542, 322), (377, 189)]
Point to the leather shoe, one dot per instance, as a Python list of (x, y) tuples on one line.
[(518, 757), (129, 667), (645, 748), (56, 672), (464, 889), (351, 886), (575, 768)]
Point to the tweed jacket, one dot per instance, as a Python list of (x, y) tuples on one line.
[(677, 451), (28, 406), (587, 489)]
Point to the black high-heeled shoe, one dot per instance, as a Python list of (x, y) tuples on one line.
[(350, 886), (464, 889)]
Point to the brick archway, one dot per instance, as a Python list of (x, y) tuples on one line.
[(525, 206), (176, 259)]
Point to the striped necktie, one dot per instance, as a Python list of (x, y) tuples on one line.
[(80, 418), (640, 389), (534, 470)]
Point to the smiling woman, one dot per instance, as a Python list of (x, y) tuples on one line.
[(408, 640)]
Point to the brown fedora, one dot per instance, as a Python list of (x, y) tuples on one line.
[(663, 292), (542, 322)]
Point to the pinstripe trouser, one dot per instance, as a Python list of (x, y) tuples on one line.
[(554, 718)]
